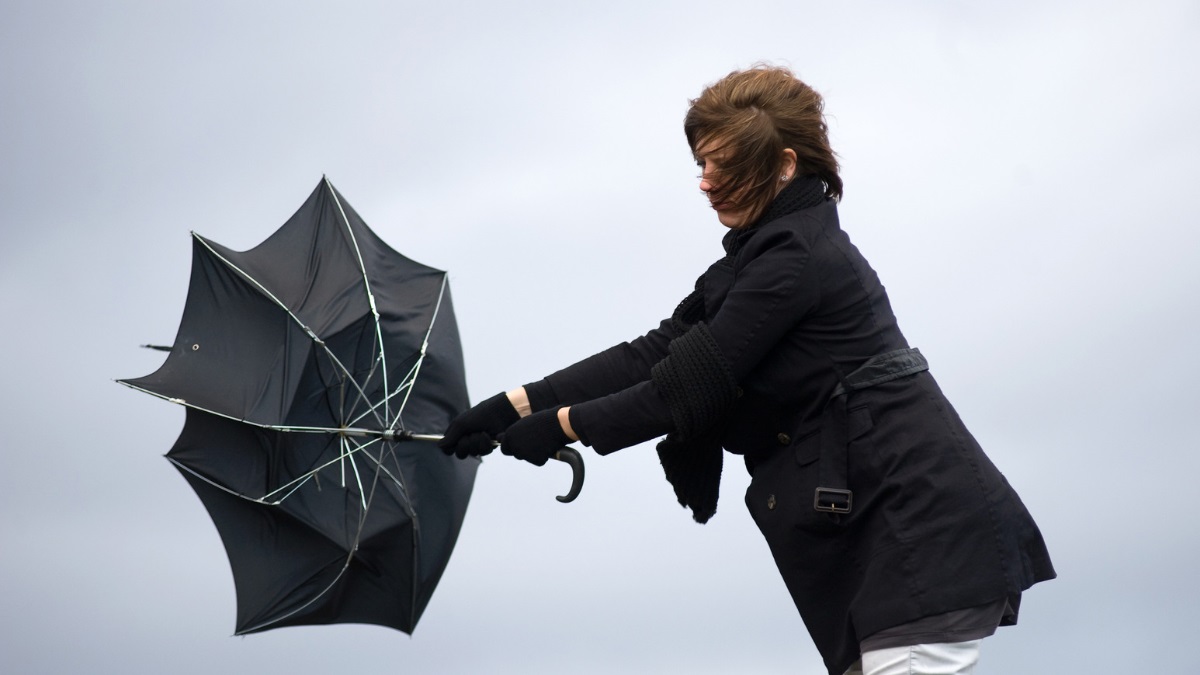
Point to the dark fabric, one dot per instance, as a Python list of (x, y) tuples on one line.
[(795, 308), (699, 388), (628, 364), (471, 433), (618, 405), (695, 381), (833, 494), (935, 526), (694, 471), (882, 368), (618, 367), (535, 438), (540, 395), (690, 310), (803, 192), (960, 625), (319, 327)]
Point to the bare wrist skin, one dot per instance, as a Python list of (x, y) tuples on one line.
[(520, 400), (564, 419)]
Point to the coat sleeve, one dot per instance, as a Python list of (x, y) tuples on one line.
[(774, 288), (611, 370)]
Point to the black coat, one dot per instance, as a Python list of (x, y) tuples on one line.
[(795, 308)]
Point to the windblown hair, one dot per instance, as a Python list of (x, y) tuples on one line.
[(753, 115)]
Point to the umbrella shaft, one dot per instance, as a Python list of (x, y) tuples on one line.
[(389, 435), (409, 436), (422, 437)]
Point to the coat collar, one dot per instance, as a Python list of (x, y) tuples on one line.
[(803, 193)]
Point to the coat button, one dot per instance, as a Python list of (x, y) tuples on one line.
[(771, 502), (738, 393), (783, 438)]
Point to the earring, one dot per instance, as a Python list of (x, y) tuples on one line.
[(783, 179)]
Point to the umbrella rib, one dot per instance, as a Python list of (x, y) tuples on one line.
[(263, 500), (346, 453), (370, 296), (298, 482), (336, 579), (363, 497), (343, 455), (351, 414), (410, 379), (398, 479), (183, 402), (416, 525), (368, 498), (378, 462), (294, 484), (260, 425), (308, 331), (424, 348), (362, 395), (357, 479), (406, 502), (258, 500), (406, 382)]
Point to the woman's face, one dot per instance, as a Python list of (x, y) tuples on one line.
[(712, 158), (732, 210)]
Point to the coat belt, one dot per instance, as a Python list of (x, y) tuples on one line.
[(833, 494)]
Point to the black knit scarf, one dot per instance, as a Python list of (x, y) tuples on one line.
[(804, 192), (692, 462)]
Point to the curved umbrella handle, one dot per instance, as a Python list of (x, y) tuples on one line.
[(571, 456), (564, 454)]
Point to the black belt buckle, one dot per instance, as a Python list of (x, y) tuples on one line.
[(832, 500)]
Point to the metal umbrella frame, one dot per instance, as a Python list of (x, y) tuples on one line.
[(300, 363)]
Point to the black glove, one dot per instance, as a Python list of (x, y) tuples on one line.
[(535, 438), (472, 433)]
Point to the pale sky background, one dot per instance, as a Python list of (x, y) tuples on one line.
[(1022, 175)]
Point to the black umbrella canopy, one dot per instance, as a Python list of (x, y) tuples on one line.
[(305, 363)]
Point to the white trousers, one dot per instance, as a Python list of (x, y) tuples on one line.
[(946, 658)]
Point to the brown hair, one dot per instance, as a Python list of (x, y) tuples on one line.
[(753, 115)]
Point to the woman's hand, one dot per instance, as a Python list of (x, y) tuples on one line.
[(472, 433), (537, 437)]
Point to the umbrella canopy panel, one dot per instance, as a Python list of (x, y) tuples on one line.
[(299, 361)]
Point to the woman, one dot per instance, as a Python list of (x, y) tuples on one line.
[(898, 539)]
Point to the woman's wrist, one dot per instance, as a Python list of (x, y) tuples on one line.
[(564, 420), (519, 400)]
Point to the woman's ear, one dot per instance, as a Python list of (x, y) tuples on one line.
[(789, 164)]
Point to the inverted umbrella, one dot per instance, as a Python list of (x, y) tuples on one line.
[(315, 369)]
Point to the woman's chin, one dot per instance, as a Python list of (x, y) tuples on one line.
[(732, 219)]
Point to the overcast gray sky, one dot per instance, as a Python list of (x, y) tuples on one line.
[(1021, 174)]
